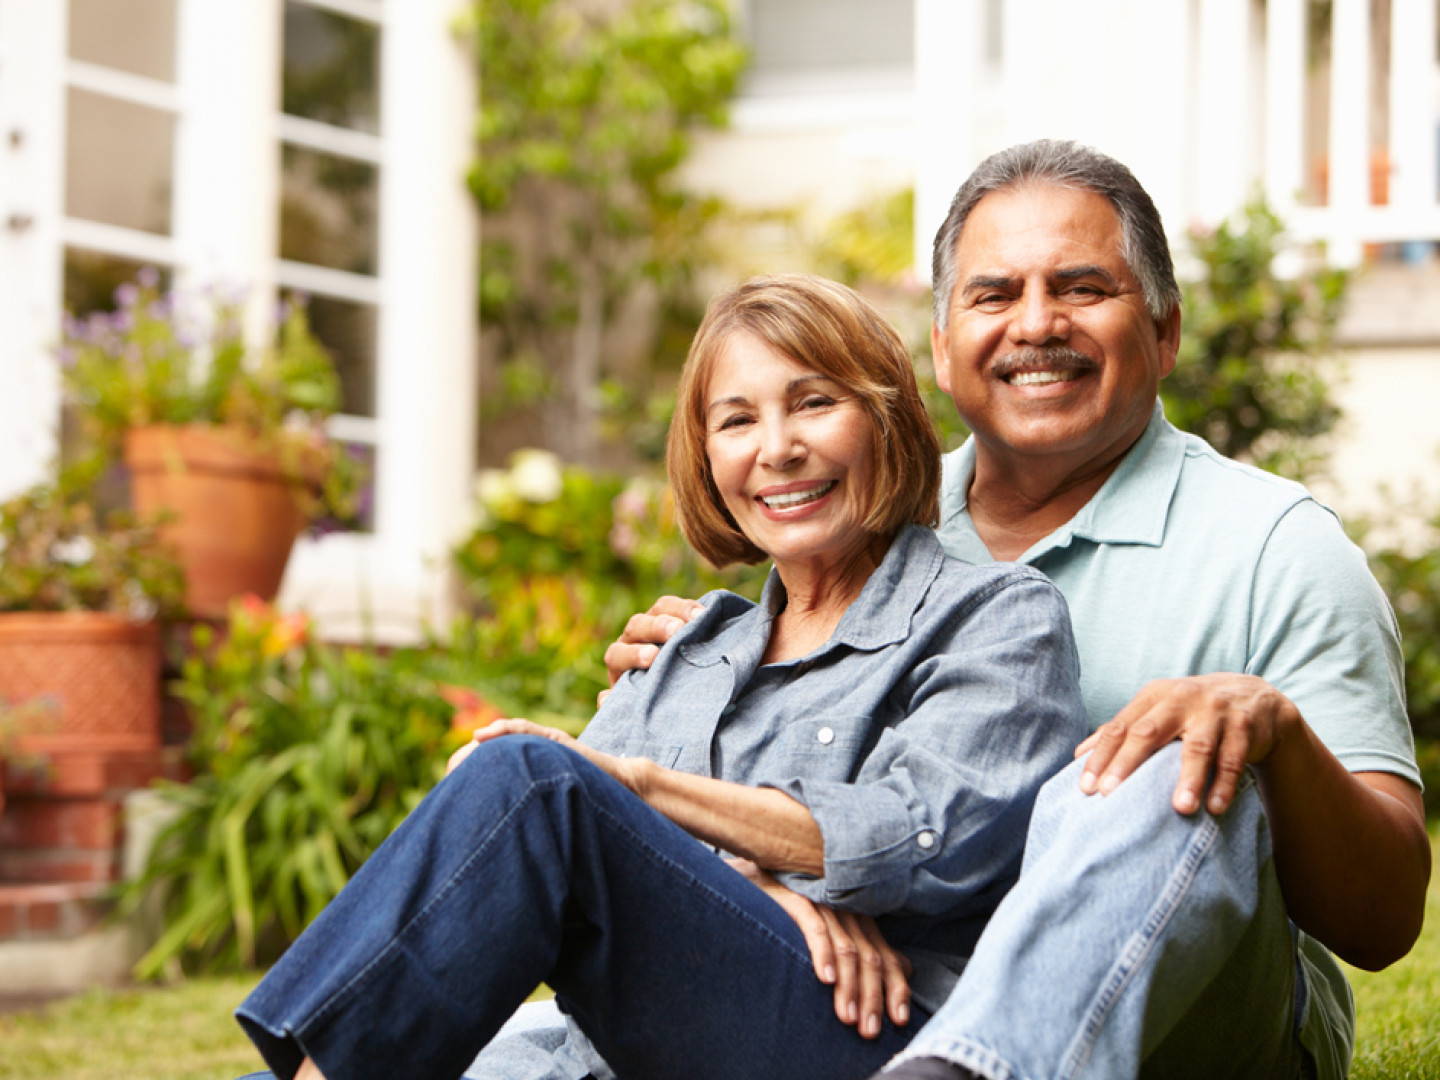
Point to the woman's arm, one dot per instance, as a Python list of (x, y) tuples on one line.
[(763, 825)]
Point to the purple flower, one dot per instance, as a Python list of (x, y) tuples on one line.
[(127, 295), (149, 277), (67, 356)]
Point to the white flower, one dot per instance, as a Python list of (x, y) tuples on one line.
[(73, 551), (492, 487), (535, 475)]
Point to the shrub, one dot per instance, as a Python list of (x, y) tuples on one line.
[(307, 757)]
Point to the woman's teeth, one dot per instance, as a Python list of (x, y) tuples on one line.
[(796, 498)]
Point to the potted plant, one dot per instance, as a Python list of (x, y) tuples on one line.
[(79, 599), (228, 437)]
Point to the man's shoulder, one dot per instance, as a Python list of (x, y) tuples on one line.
[(1233, 490)]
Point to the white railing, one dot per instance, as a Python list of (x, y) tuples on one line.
[(1204, 99)]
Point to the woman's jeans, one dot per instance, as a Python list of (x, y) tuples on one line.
[(529, 864), (1137, 942)]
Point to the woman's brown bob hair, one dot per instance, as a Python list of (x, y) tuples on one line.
[(832, 331)]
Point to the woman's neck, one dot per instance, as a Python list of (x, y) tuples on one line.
[(817, 595)]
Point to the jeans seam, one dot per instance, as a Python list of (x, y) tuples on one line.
[(323, 1011), (1138, 947)]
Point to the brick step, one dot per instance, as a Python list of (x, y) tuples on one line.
[(50, 912), (39, 822), (58, 866)]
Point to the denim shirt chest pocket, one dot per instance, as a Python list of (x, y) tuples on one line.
[(824, 746)]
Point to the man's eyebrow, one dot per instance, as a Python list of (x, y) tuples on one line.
[(987, 281), (1076, 273)]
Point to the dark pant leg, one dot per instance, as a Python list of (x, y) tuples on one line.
[(529, 864)]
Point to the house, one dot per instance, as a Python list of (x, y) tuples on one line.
[(320, 146)]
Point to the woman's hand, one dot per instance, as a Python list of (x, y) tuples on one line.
[(623, 769), (849, 953)]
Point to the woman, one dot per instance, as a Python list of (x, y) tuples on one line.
[(872, 733)]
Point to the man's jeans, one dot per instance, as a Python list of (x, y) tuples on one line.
[(1134, 935), (529, 864)]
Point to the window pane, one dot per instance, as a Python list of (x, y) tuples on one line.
[(796, 36), (327, 210), (137, 36), (92, 278), (332, 68), (118, 162), (347, 329)]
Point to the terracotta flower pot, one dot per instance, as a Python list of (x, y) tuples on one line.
[(80, 681), (237, 513)]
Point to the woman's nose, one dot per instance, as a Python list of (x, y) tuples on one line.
[(780, 445)]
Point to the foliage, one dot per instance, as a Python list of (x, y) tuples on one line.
[(559, 559), (158, 360), (585, 115), (58, 554), (1412, 582), (1246, 379), (306, 757)]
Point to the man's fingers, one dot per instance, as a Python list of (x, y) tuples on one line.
[(676, 606), (1234, 752), (1197, 757), (621, 657)]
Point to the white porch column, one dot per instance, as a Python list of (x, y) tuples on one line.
[(32, 194), (1226, 116), (1349, 126), (1413, 92), (427, 387), (1284, 103), (227, 158), (948, 43)]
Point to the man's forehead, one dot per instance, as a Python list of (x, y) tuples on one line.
[(1062, 229)]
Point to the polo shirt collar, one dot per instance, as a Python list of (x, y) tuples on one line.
[(1130, 508)]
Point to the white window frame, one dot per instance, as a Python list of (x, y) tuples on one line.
[(226, 97)]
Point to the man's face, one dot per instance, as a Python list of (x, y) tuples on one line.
[(1050, 354)]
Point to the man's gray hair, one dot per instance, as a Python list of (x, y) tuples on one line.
[(1068, 165)]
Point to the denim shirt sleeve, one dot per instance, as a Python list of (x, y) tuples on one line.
[(987, 709)]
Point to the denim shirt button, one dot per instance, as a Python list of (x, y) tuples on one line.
[(926, 840), (825, 735)]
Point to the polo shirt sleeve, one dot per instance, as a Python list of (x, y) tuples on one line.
[(1323, 634), (988, 708)]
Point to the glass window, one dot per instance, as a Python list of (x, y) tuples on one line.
[(327, 210), (332, 68), (137, 36), (92, 278), (118, 162), (798, 36), (347, 329)]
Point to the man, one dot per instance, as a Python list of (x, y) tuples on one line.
[(1250, 791)]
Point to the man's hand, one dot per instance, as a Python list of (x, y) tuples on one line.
[(1225, 721), (644, 634), (849, 953)]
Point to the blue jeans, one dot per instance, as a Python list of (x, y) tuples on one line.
[(1137, 942), (529, 864)]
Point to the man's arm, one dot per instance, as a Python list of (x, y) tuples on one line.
[(640, 643), (1350, 848)]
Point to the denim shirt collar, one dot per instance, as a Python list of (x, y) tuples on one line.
[(879, 616), (1130, 508)]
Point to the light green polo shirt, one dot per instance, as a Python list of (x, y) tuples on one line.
[(1187, 563)]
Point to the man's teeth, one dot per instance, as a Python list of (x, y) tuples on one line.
[(1042, 378), (795, 498)]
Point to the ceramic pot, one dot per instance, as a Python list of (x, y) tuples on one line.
[(236, 512), (80, 681)]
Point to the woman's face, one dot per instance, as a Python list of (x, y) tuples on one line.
[(790, 451)]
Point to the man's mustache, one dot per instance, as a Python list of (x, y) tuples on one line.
[(1041, 358)]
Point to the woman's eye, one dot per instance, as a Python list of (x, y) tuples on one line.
[(738, 420), (817, 402)]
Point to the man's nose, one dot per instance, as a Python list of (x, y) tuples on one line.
[(1039, 318)]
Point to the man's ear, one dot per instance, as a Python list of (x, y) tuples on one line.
[(1167, 330), (940, 357)]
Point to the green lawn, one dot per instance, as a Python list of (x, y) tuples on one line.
[(186, 1033)]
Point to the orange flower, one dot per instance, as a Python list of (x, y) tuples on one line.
[(472, 712), (286, 633)]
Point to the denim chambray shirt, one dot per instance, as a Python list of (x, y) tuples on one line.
[(917, 736)]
